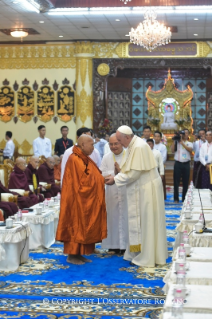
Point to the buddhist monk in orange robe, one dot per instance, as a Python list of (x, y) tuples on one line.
[(57, 168), (83, 220)]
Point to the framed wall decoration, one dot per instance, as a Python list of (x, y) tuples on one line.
[(25, 104), (65, 103), (45, 103), (6, 103)]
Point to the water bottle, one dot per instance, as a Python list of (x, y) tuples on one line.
[(182, 252), (201, 219), (185, 237), (181, 278), (19, 215), (177, 305)]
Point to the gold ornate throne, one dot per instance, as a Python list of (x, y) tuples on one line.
[(169, 109)]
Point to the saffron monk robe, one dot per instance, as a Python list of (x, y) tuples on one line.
[(83, 220), (57, 167), (46, 175), (18, 180), (32, 177)]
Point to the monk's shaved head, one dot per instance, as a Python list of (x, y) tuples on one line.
[(34, 161), (114, 144), (50, 162), (85, 143), (21, 163), (57, 159)]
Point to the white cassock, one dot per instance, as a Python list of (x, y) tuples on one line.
[(147, 244), (116, 204)]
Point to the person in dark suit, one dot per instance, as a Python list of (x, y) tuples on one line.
[(62, 144)]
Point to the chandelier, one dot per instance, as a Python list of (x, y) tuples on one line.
[(19, 34), (125, 1), (150, 34)]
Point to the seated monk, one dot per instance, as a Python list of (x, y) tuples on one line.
[(57, 168), (8, 208), (46, 175), (32, 176), (82, 220), (18, 180), (23, 201)]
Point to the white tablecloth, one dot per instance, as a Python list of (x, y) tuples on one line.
[(42, 229), (199, 273), (200, 240), (167, 315), (198, 300), (12, 242), (201, 254)]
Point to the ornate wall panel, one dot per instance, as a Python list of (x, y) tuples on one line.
[(25, 104), (45, 103), (65, 103), (6, 103)]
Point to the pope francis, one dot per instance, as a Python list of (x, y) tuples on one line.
[(147, 244)]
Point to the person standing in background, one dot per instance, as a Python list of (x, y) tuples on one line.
[(9, 149), (42, 145), (62, 144), (146, 133), (197, 171)]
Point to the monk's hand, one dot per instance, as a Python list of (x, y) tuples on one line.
[(109, 180), (207, 167), (117, 168)]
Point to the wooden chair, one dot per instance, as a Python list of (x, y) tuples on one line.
[(8, 168), (25, 150), (7, 197)]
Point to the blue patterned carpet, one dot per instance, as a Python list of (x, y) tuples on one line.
[(109, 287)]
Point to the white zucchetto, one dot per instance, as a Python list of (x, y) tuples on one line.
[(125, 130)]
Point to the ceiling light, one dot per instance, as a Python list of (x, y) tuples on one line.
[(196, 19), (41, 21), (127, 35), (117, 20), (19, 34), (30, 5), (60, 36), (150, 33), (195, 34)]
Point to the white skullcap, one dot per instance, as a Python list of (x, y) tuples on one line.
[(125, 130)]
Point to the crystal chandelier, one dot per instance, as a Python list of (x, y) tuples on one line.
[(125, 1), (150, 34)]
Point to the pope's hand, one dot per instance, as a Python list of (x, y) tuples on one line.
[(109, 180)]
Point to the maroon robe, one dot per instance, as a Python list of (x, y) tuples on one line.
[(23, 202), (29, 171), (18, 180), (46, 175), (9, 209)]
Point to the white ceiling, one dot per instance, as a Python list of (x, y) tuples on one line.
[(101, 26)]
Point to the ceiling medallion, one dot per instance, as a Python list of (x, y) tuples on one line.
[(150, 33)]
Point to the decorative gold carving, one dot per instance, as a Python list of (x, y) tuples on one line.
[(204, 49), (84, 106), (103, 69), (83, 70), (90, 71), (2, 144), (179, 101), (9, 165), (84, 47), (122, 50), (25, 149), (6, 104), (65, 103), (25, 104), (2, 166), (45, 103), (105, 49)]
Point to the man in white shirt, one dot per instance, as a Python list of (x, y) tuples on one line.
[(182, 150), (116, 201), (163, 150), (197, 170), (146, 133), (206, 159), (42, 145), (95, 156), (10, 146), (158, 157)]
